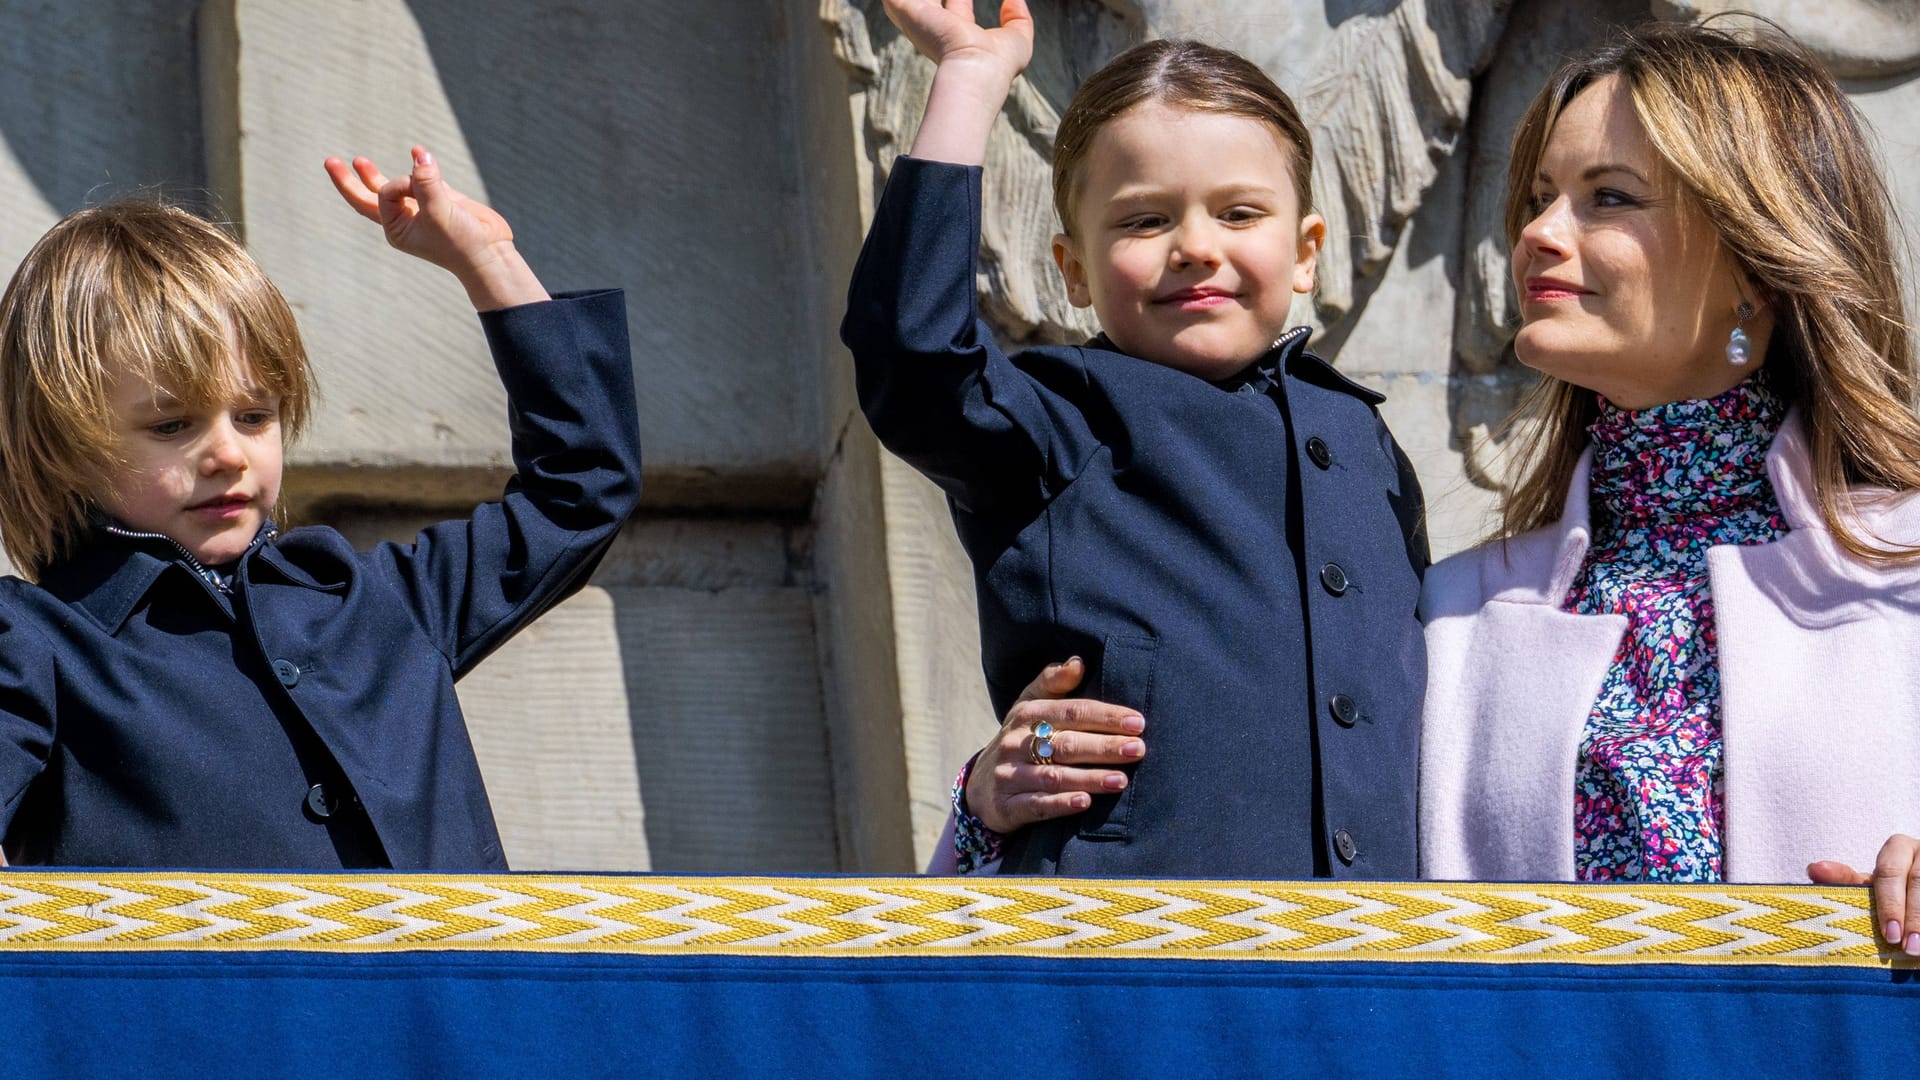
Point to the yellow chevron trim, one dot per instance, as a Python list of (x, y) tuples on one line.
[(930, 911), (635, 914), (1594, 908), (542, 907), (57, 907), (829, 906), (251, 910), (152, 910), (1302, 914), (1214, 907), (1398, 919), (952, 917), (1115, 917), (1780, 930), (346, 906), (1686, 922), (1497, 921), (732, 914), (1023, 904), (440, 914)]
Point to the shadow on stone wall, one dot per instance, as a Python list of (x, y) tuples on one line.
[(102, 99)]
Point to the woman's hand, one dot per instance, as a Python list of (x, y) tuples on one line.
[(1896, 889), (1007, 791), (425, 217)]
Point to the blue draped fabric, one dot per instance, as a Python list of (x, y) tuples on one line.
[(372, 976)]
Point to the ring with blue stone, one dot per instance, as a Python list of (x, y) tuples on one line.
[(1040, 744)]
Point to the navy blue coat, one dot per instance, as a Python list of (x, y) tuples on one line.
[(1239, 562), (308, 719)]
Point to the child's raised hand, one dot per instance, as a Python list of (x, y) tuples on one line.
[(945, 30), (424, 216)]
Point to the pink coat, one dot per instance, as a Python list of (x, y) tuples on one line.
[(1819, 675)]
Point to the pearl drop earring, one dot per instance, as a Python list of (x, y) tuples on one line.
[(1737, 342)]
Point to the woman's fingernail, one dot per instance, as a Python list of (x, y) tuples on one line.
[(1116, 781), (422, 156), (1893, 931), (1913, 943), (1133, 748), (1080, 802), (1133, 725)]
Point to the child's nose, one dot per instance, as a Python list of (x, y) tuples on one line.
[(1195, 242), (223, 451)]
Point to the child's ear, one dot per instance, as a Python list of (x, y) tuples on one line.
[(1313, 235), (1072, 270)]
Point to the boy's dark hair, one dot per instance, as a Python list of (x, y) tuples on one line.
[(1184, 74)]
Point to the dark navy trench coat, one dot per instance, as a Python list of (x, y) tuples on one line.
[(308, 719), (1240, 565)]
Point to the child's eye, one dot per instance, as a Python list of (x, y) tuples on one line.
[(1241, 215), (1143, 223), (256, 418), (167, 429)]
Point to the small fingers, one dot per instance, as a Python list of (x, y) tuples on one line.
[(370, 176), (352, 188)]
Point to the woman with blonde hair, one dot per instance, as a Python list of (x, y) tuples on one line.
[(1690, 654)]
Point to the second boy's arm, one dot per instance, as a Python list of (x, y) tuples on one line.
[(932, 382), (568, 373)]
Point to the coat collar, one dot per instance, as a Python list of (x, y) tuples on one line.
[(111, 573), (1288, 354), (1539, 567)]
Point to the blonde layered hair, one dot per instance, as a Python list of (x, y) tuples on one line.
[(134, 289), (1776, 158)]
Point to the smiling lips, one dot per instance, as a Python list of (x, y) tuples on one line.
[(222, 506), (1196, 298), (1550, 290)]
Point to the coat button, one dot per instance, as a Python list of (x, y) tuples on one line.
[(1344, 846), (1344, 709), (319, 803), (287, 672), (1334, 578), (1317, 451)]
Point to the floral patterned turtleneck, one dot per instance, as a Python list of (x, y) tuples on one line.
[(1667, 484)]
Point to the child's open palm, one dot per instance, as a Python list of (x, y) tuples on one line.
[(945, 30), (424, 216)]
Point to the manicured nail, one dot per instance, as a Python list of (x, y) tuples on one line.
[(1133, 725), (422, 156), (1913, 943), (1893, 931), (1117, 781), (1080, 802), (1133, 748)]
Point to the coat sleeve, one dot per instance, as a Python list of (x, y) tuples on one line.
[(28, 677), (576, 453), (935, 387)]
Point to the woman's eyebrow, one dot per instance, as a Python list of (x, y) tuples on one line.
[(1594, 172)]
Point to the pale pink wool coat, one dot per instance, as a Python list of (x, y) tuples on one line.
[(1819, 675)]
